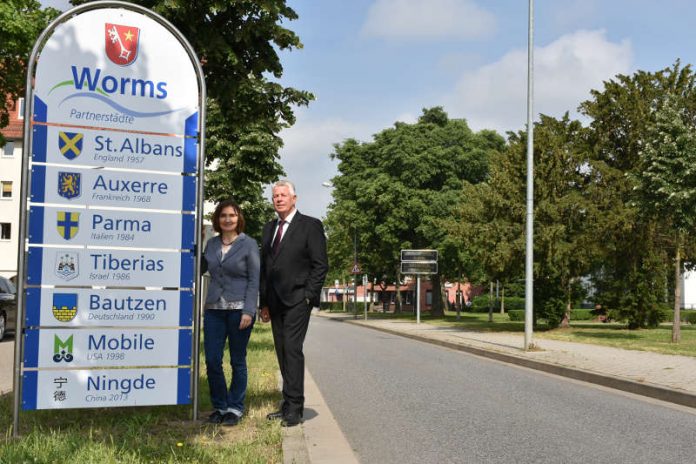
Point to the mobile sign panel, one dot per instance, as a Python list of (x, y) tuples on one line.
[(61, 389), (85, 307), (92, 227), (107, 348), (117, 268)]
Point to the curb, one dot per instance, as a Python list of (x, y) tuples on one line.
[(652, 391)]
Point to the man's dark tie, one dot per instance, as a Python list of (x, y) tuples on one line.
[(278, 236)]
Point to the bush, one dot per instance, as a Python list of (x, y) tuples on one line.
[(333, 306), (516, 315), (689, 317), (480, 303), (578, 314)]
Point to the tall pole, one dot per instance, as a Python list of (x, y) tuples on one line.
[(418, 297), (529, 265)]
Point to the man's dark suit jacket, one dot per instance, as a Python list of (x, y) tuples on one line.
[(298, 271)]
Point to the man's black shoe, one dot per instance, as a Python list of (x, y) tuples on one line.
[(275, 415), (215, 417), (291, 419), (230, 419)]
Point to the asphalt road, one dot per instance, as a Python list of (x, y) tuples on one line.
[(403, 401)]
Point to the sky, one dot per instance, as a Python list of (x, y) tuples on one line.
[(371, 63)]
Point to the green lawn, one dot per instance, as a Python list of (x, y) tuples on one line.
[(612, 334), (155, 434)]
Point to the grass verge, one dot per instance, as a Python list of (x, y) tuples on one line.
[(657, 340), (162, 434)]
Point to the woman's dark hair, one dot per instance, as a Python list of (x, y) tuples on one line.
[(218, 211)]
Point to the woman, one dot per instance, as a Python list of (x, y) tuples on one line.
[(232, 259)]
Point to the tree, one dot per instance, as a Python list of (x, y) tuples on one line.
[(237, 43), (491, 220), (666, 183), (398, 189), (631, 280), (21, 22)]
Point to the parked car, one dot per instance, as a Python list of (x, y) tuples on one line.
[(8, 306)]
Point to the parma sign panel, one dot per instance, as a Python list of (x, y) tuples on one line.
[(113, 171)]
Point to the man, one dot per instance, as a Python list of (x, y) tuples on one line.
[(293, 268)]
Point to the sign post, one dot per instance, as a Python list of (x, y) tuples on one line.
[(418, 262), (112, 192)]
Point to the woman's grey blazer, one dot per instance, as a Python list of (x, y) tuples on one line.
[(236, 276)]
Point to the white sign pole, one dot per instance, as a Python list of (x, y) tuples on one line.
[(418, 298)]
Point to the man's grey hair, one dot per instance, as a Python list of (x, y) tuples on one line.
[(285, 183)]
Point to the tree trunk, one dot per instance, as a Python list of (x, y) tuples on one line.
[(676, 325), (437, 310), (565, 322), (502, 300)]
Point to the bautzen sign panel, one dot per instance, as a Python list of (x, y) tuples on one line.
[(74, 348), (101, 227), (94, 307), (111, 69), (62, 389)]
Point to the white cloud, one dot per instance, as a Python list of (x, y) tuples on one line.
[(305, 158), (432, 19), (495, 95)]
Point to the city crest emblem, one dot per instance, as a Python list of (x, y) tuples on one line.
[(62, 349), (69, 184), (67, 265), (70, 144), (67, 224), (64, 306), (121, 43)]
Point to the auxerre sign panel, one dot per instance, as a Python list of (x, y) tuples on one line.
[(116, 69), (97, 187), (99, 227), (85, 307), (55, 389), (68, 348), (118, 268)]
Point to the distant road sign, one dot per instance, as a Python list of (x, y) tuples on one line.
[(356, 269), (419, 255), (415, 267)]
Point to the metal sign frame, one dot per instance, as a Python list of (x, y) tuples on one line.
[(26, 180)]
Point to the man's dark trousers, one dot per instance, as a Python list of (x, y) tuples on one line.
[(289, 325)]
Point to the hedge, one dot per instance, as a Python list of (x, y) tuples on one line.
[(480, 303), (576, 315)]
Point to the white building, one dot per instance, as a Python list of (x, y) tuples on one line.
[(10, 184)]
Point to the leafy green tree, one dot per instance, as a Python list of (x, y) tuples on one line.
[(237, 42), (21, 22), (666, 183), (633, 277), (491, 220), (397, 190)]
